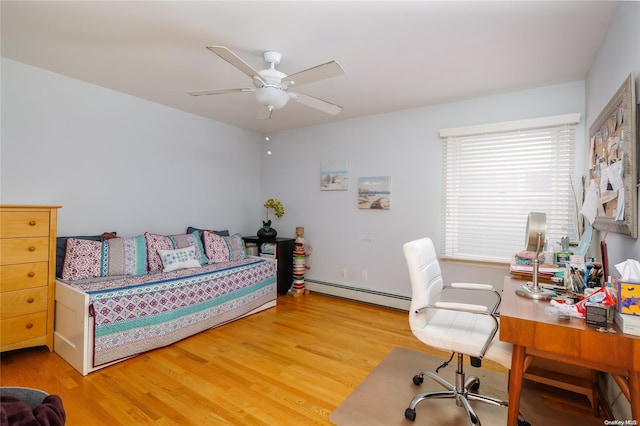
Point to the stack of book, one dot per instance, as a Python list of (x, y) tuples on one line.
[(268, 250), (525, 272)]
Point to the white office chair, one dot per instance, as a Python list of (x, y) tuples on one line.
[(457, 327)]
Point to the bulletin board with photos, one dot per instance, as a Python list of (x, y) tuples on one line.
[(613, 169)]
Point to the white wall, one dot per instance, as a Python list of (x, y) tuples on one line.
[(116, 162), (618, 56), (406, 146)]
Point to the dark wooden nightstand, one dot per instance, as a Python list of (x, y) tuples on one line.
[(283, 257)]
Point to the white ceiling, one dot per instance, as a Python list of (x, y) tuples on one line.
[(396, 54)]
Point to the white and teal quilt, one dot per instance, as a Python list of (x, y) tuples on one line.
[(136, 314)]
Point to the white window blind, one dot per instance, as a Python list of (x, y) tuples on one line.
[(494, 175)]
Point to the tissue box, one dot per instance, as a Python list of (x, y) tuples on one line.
[(629, 324), (627, 296)]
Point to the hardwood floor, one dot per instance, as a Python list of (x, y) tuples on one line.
[(290, 365)]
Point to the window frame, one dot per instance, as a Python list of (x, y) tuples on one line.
[(495, 238)]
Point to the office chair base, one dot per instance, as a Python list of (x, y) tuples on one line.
[(462, 399), (472, 385), (462, 392)]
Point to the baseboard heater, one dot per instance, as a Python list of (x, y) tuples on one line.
[(359, 294)]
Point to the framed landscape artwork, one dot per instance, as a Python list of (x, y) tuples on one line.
[(374, 192), (334, 175)]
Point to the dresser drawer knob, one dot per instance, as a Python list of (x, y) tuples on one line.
[(32, 248), (31, 300), (31, 274), (32, 223), (29, 325)]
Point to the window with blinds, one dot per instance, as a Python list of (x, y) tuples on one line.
[(494, 175)]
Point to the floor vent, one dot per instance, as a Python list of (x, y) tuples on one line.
[(360, 294)]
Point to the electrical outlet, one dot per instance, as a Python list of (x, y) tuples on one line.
[(365, 275), (343, 272)]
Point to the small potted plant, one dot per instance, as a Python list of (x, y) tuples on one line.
[(267, 232)]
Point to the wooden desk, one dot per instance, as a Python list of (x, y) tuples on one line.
[(524, 323)]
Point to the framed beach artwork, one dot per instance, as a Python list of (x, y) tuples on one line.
[(334, 175), (374, 193)]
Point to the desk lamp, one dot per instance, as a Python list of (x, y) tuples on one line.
[(535, 235)]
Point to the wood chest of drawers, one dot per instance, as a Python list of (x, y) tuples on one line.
[(27, 276)]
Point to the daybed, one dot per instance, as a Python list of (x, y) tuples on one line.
[(119, 297)]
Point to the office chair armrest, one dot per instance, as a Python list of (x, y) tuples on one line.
[(479, 287), (456, 306), (471, 286), (465, 307)]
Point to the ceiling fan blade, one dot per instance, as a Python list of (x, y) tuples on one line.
[(219, 91), (317, 73), (316, 103), (236, 61), (264, 113)]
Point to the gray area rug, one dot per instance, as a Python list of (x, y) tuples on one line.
[(387, 391)]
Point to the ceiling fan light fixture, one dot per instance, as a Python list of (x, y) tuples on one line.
[(270, 86), (271, 97)]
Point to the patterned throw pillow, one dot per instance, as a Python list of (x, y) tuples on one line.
[(82, 259), (61, 246), (124, 256), (236, 247), (157, 242), (215, 247), (223, 249), (183, 258), (116, 256)]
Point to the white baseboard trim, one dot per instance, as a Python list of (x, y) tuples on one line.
[(360, 294), (619, 404)]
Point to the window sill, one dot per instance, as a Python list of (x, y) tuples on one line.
[(477, 262)]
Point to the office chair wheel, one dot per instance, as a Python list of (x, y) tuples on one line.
[(410, 414), (474, 387), (418, 379), (522, 421)]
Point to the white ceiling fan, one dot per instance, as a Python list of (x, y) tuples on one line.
[(271, 87)]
